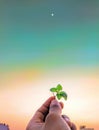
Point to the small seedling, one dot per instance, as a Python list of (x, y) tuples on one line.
[(57, 91)]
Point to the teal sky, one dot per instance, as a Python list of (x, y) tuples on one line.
[(30, 36)]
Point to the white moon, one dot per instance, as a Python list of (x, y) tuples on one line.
[(52, 14)]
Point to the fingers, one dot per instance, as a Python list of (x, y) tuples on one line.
[(71, 125), (50, 105), (55, 107), (67, 120), (42, 111), (62, 105)]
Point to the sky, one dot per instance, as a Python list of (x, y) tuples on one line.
[(39, 51)]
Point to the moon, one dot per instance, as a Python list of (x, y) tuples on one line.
[(52, 14)]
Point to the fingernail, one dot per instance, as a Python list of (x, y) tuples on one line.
[(67, 119), (55, 102)]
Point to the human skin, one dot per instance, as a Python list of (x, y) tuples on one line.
[(48, 117)]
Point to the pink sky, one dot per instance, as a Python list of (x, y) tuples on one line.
[(23, 92)]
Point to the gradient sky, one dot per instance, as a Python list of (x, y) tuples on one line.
[(38, 51)]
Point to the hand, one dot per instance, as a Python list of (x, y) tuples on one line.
[(48, 117)]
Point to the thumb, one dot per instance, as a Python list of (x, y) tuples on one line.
[(55, 107)]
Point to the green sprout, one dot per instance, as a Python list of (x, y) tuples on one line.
[(57, 91)]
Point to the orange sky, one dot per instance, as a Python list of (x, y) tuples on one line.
[(21, 94)]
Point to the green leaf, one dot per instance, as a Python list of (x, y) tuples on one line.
[(53, 90), (59, 87), (58, 92), (58, 96), (63, 94)]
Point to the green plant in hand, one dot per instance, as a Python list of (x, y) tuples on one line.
[(58, 92)]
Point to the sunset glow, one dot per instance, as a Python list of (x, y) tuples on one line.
[(20, 100), (39, 51)]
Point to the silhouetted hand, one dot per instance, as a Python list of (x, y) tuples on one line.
[(48, 117)]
